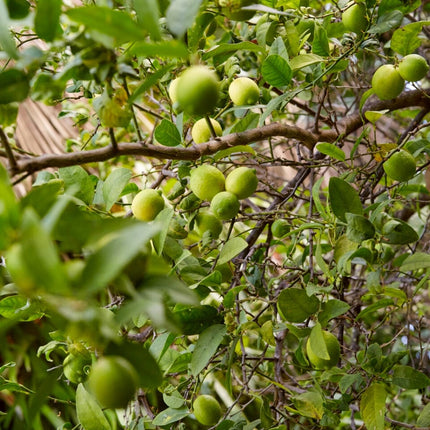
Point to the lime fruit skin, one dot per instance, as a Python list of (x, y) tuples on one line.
[(387, 82), (207, 410), (197, 91), (206, 181), (355, 18), (333, 349), (113, 381), (280, 228), (413, 67), (244, 91), (225, 205), (75, 366), (208, 222), (201, 132), (147, 204), (401, 166), (242, 182)]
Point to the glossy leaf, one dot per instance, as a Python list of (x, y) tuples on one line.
[(343, 198), (417, 261), (90, 414), (14, 86), (231, 249), (294, 305), (47, 19), (114, 184), (167, 134), (358, 228), (409, 378), (372, 406), (331, 150), (186, 10), (276, 71), (405, 40), (148, 16)]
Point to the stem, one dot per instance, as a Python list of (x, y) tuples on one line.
[(211, 127), (5, 142)]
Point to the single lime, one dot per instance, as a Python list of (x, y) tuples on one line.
[(147, 204), (280, 228), (401, 166), (201, 132), (413, 67), (387, 82), (206, 181), (225, 205), (355, 18), (207, 222), (207, 410), (244, 91), (242, 181)]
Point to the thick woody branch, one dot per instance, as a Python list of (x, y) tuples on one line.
[(346, 126)]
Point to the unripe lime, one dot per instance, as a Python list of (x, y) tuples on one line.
[(401, 166), (197, 90), (207, 410), (208, 222), (173, 90), (242, 182), (355, 18), (113, 381), (147, 204), (413, 67), (387, 82), (333, 349), (280, 228), (201, 132), (75, 366), (225, 205), (233, 9), (206, 181), (244, 91)]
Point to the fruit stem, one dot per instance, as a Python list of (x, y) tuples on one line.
[(211, 127)]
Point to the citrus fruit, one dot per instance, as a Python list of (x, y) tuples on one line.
[(280, 228), (206, 181), (147, 204), (197, 90), (113, 381), (113, 111), (242, 182), (333, 349), (225, 205), (208, 222), (387, 82), (355, 18), (232, 9), (75, 366), (207, 410), (201, 132), (244, 91), (401, 166), (413, 67), (173, 90)]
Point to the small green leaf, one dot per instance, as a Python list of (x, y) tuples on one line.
[(405, 40), (305, 60), (148, 16), (231, 248), (163, 219), (310, 404), (47, 19), (206, 347), (163, 49), (372, 406), (7, 42), (320, 44), (343, 198), (114, 185), (383, 303), (386, 22), (417, 261), (331, 150), (169, 416), (398, 232), (409, 378), (359, 228), (424, 417), (332, 309), (195, 319), (373, 115), (276, 71), (89, 413), (294, 305), (167, 134), (14, 86), (226, 48), (187, 11), (20, 308)]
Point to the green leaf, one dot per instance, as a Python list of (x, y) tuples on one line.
[(249, 121), (180, 15), (278, 48), (386, 22), (206, 347), (343, 198), (76, 177), (117, 25), (231, 248), (148, 16), (373, 116), (372, 406), (383, 303), (114, 185), (89, 413), (163, 49), (14, 86), (332, 309), (226, 48), (18, 9), (20, 308), (106, 263), (317, 343), (167, 134), (405, 40), (331, 150), (169, 416), (294, 305), (409, 378), (419, 260), (195, 319), (310, 404), (47, 19), (305, 60), (276, 71), (8, 114), (320, 44), (424, 417), (163, 219), (398, 232), (359, 228), (6, 39)]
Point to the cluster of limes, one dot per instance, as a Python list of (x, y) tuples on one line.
[(388, 80)]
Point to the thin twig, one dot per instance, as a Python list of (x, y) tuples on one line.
[(5, 142)]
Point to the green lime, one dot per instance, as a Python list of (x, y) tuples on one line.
[(401, 166), (413, 67), (113, 381), (173, 90), (387, 82), (147, 204), (241, 181), (207, 410), (206, 181), (244, 91), (355, 18), (76, 366), (208, 222), (225, 205), (333, 349), (197, 90), (201, 132), (280, 228)]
